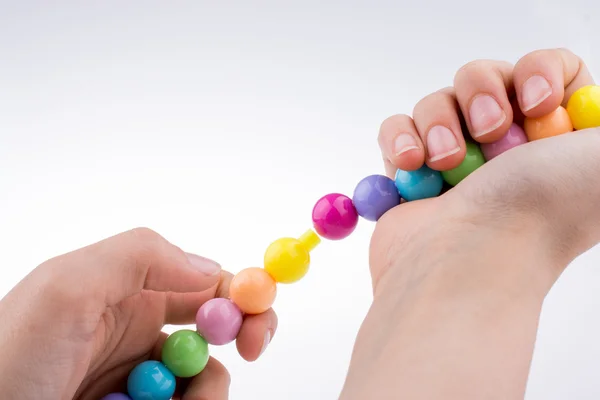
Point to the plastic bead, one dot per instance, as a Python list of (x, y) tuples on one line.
[(374, 196), (334, 216), (116, 396), (420, 184), (253, 290), (513, 138), (219, 321), (584, 107), (185, 353), (473, 160), (556, 123), (151, 380), (287, 259)]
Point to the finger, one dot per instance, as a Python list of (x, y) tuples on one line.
[(400, 143), (438, 123), (127, 263), (546, 79), (181, 308), (483, 89), (255, 335), (211, 384)]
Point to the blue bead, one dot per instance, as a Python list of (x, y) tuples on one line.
[(151, 380), (374, 196), (420, 184)]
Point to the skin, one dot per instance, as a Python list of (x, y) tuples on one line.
[(454, 313), (459, 280)]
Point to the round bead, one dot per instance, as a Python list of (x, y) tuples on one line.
[(185, 353), (473, 160), (419, 184), (513, 138), (151, 380), (219, 321), (253, 290), (116, 396), (374, 196), (584, 107), (553, 124), (287, 260), (334, 216)]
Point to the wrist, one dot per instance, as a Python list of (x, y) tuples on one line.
[(456, 290)]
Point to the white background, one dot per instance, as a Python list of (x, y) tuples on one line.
[(218, 124)]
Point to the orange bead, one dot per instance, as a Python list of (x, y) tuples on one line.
[(253, 290), (554, 124)]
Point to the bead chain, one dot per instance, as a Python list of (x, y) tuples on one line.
[(335, 216)]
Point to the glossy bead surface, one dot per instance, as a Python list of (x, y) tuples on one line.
[(419, 184), (253, 290), (185, 353), (219, 321), (334, 216), (287, 260), (556, 123), (584, 107), (151, 380), (473, 160), (513, 138), (116, 396), (374, 196)]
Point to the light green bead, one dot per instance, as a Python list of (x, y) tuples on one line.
[(473, 160), (185, 353)]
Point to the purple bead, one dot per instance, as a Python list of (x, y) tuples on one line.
[(513, 138), (219, 321), (116, 396), (334, 216), (374, 196)]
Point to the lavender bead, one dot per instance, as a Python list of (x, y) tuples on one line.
[(116, 396), (513, 138), (374, 196), (219, 321)]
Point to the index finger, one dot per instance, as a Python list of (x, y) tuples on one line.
[(546, 79)]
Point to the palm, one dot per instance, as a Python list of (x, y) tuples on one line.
[(127, 334)]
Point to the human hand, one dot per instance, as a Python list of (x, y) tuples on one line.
[(459, 280), (77, 325)]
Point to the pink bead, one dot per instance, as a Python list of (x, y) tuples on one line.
[(513, 138), (219, 321), (334, 216)]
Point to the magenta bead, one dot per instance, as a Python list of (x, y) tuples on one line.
[(513, 138), (218, 321), (334, 216)]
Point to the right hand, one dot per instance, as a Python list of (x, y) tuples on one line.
[(459, 280)]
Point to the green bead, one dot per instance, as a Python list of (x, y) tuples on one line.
[(473, 160), (185, 353)]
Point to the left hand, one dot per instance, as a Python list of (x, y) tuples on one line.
[(77, 325)]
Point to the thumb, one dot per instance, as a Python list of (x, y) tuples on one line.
[(123, 265), (553, 182)]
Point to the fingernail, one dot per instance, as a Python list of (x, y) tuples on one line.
[(486, 115), (441, 143), (204, 265), (266, 342), (535, 90), (403, 143)]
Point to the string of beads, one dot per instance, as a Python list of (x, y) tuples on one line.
[(335, 216)]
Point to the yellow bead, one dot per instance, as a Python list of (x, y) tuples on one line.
[(287, 259), (310, 239), (584, 107)]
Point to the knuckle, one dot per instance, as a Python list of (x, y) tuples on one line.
[(394, 121)]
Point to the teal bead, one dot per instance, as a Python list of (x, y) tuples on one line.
[(151, 380), (422, 183)]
